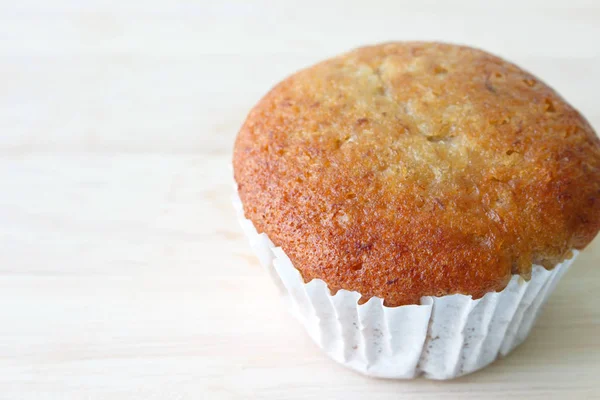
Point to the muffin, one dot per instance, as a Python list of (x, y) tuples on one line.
[(417, 203)]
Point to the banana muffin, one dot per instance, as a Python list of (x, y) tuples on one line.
[(417, 178)]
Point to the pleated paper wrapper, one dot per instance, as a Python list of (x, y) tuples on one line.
[(441, 338)]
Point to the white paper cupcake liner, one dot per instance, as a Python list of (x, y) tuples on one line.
[(441, 338)]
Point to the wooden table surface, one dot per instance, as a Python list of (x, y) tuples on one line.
[(123, 272)]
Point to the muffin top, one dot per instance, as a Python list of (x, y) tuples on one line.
[(412, 169)]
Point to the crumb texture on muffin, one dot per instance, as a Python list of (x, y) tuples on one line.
[(412, 169)]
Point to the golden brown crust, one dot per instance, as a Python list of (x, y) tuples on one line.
[(410, 169)]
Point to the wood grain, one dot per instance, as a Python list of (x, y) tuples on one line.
[(123, 273)]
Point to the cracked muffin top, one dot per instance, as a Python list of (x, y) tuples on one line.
[(405, 170)]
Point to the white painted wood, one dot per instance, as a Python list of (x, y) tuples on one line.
[(123, 273)]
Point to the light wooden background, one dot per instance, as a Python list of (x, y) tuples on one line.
[(123, 273)]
